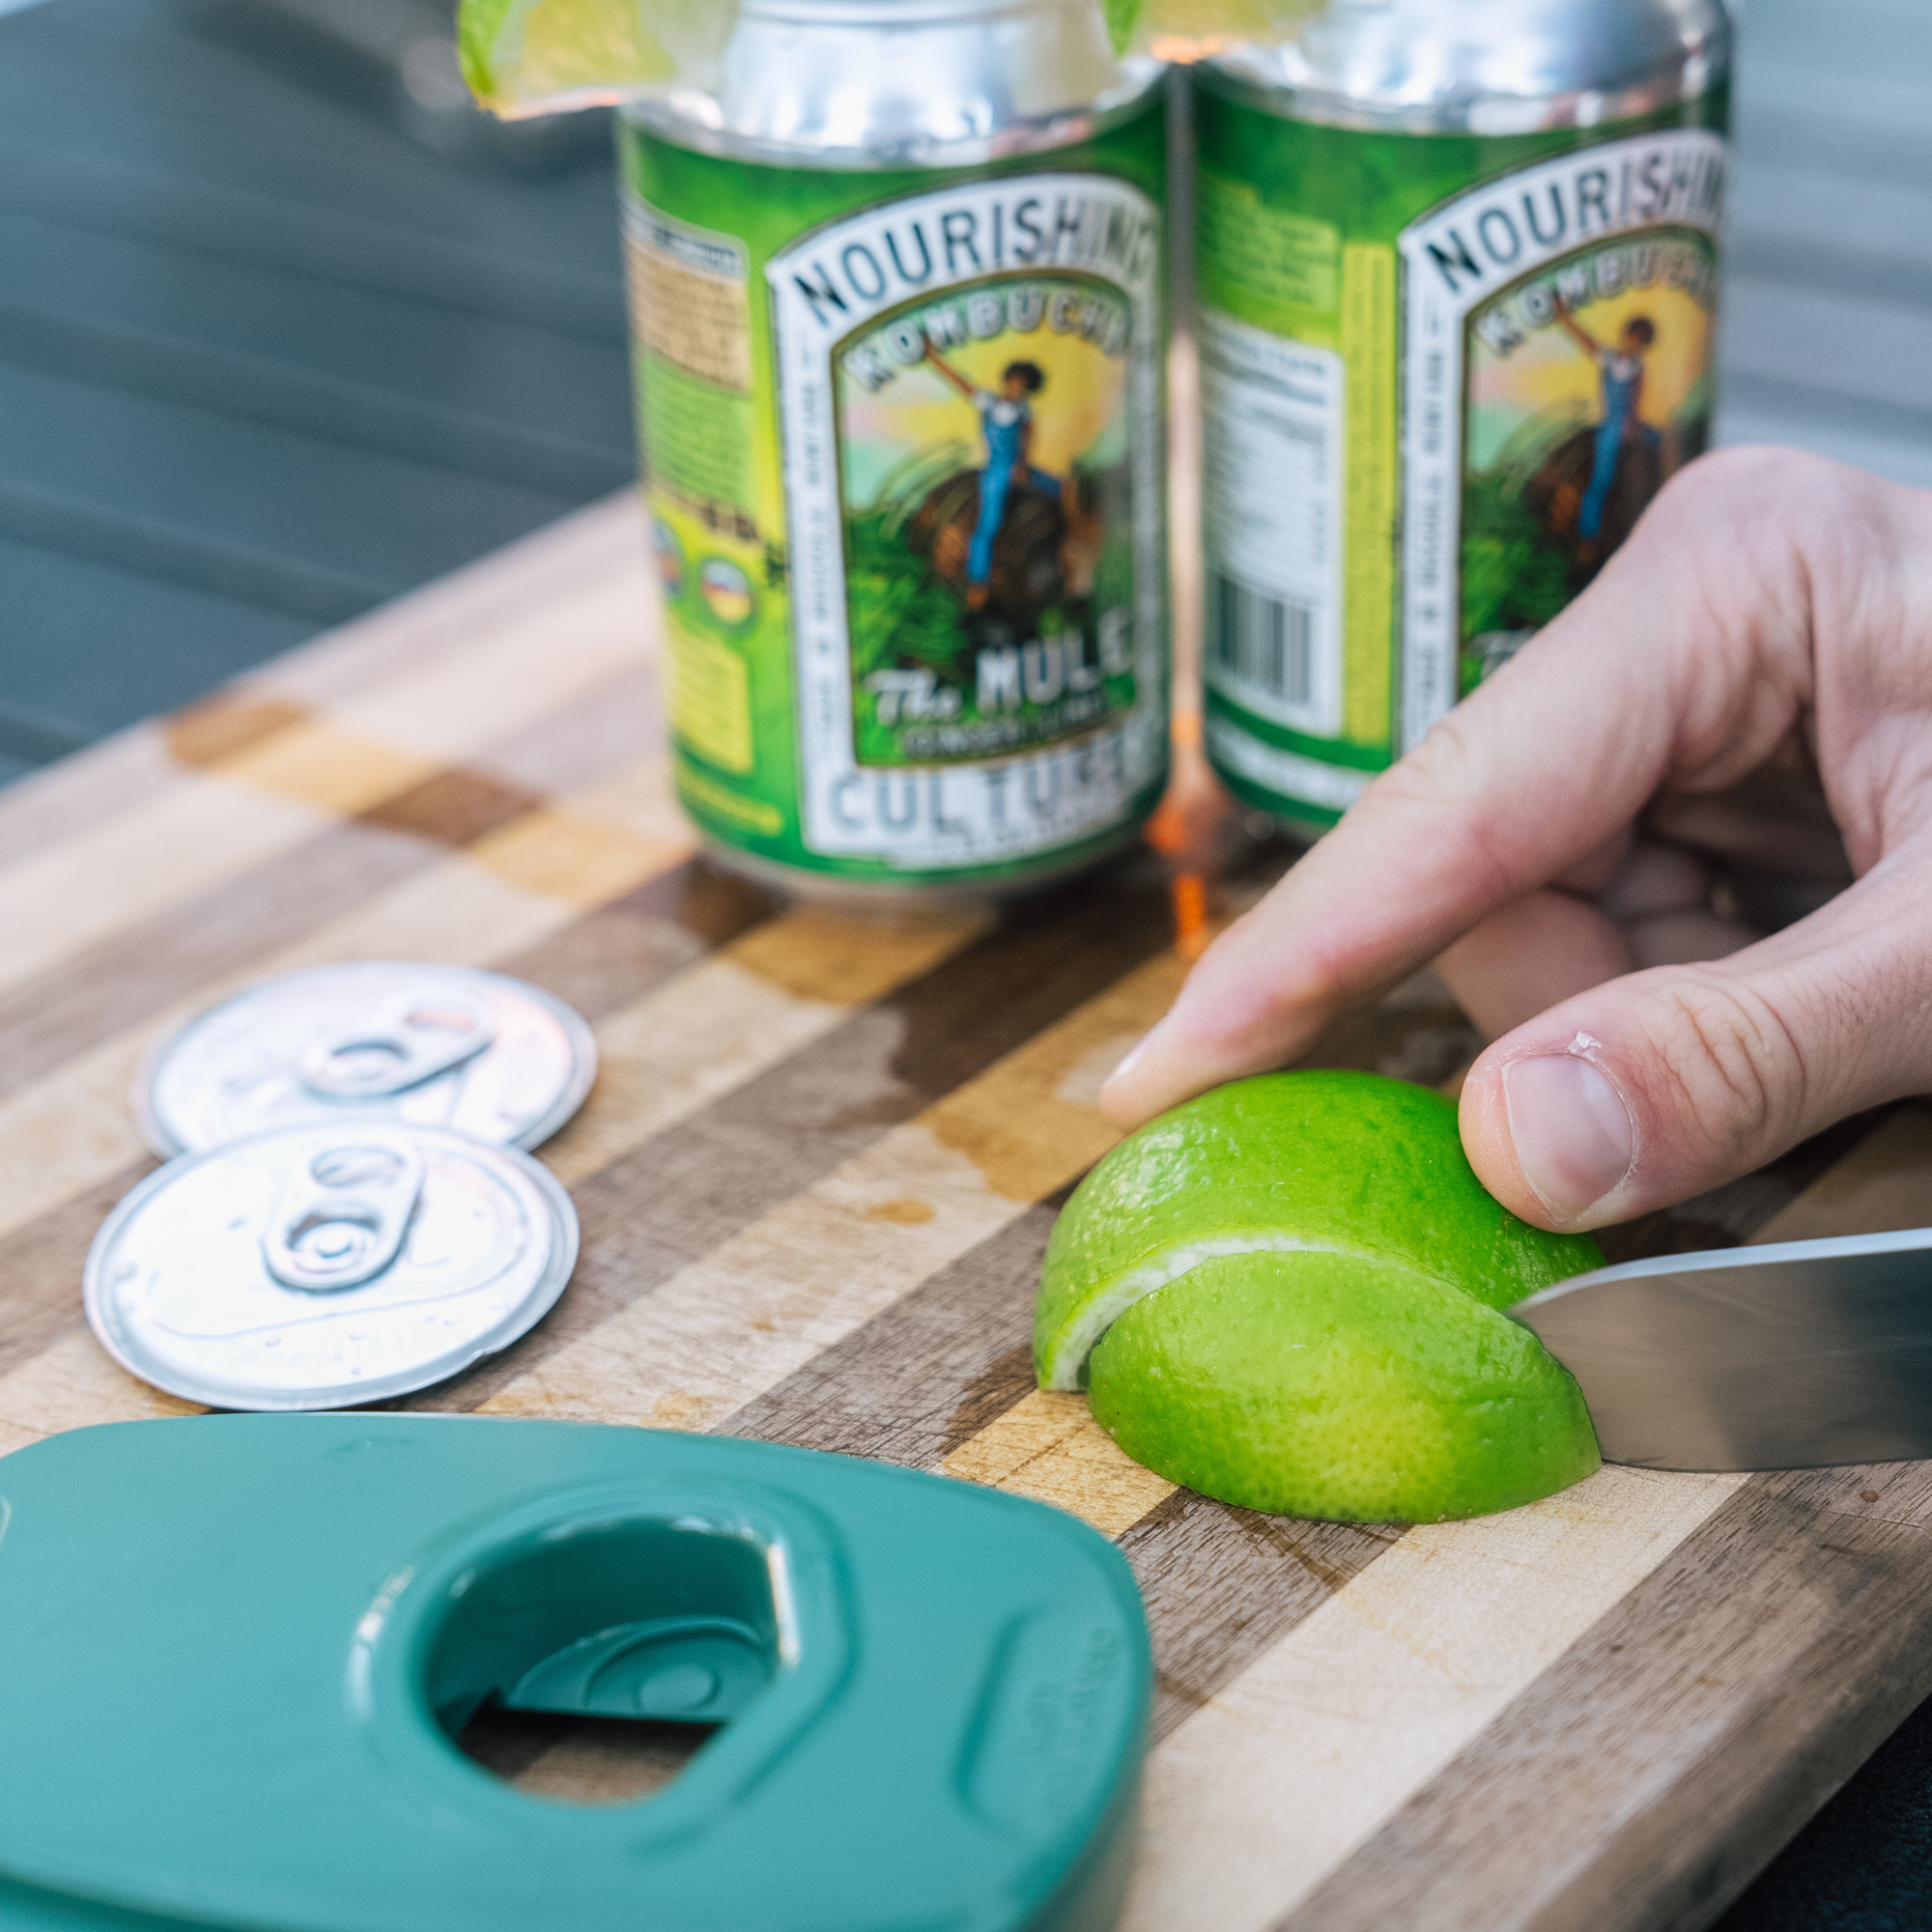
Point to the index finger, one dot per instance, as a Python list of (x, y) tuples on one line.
[(1684, 662)]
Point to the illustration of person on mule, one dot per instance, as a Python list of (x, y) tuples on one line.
[(1620, 371), (1006, 421)]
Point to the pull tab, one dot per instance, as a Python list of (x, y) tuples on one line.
[(404, 1044), (343, 1211)]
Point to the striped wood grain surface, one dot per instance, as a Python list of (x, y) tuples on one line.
[(816, 1179)]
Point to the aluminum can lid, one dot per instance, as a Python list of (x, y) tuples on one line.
[(421, 1044), (1504, 66), (319, 1267)]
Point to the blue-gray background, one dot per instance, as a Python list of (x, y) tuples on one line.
[(265, 359)]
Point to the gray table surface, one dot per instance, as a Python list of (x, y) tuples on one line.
[(265, 363)]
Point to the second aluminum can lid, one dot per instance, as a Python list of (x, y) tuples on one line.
[(415, 1042)]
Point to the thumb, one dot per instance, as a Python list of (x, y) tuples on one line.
[(1661, 1083)]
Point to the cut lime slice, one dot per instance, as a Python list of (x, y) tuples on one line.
[(1326, 1386), (1323, 1162), (1288, 1294)]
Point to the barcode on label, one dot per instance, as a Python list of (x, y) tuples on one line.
[(1260, 640)]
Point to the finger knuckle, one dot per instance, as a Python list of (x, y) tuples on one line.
[(1731, 1059), (1440, 771), (1734, 486), (1447, 780), (1765, 509)]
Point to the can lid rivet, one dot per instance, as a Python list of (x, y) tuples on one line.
[(316, 1238)]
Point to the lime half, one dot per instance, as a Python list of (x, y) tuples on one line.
[(1288, 1294)]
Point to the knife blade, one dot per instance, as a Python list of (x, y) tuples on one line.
[(1795, 1356)]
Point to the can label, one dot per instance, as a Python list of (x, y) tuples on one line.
[(905, 464), (1433, 408)]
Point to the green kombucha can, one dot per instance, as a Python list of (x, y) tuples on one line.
[(899, 300), (1458, 267)]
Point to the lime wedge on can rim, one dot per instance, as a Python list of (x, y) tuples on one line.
[(525, 57), (1288, 1294), (1191, 30)]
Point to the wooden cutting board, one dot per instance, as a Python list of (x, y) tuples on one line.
[(816, 1179)]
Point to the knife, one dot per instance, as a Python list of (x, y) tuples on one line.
[(1795, 1356)]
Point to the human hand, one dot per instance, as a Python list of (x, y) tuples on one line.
[(1747, 683)]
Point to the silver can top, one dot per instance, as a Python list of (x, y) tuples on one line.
[(891, 84), (429, 1046), (1484, 67), (317, 1267)]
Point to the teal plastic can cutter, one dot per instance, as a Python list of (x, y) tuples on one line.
[(235, 1653)]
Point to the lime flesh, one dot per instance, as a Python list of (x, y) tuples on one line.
[(1322, 1385), (1286, 1294)]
